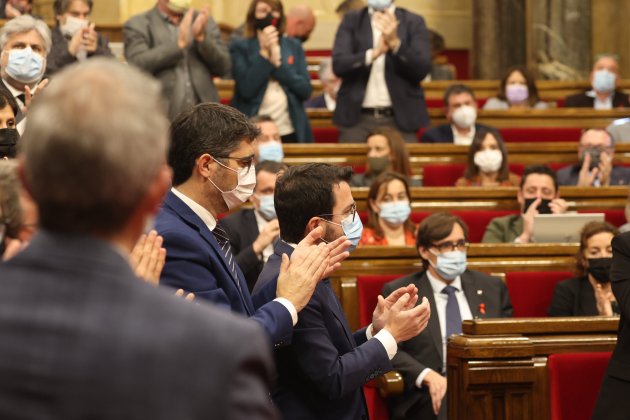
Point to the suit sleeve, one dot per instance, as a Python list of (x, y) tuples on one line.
[(139, 52), (506, 303), (413, 59), (428, 137), (294, 76), (213, 51), (332, 374), (620, 272), (345, 60), (495, 232), (250, 70), (562, 301)]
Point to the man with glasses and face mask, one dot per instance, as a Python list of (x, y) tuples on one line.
[(596, 169), (455, 294), (213, 172)]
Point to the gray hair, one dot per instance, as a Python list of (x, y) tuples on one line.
[(23, 24), (94, 141), (10, 206)]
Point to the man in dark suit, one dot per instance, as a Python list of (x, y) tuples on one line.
[(381, 57), (82, 336), (460, 107), (604, 79), (182, 49), (211, 155), (253, 231), (322, 372), (596, 169), (613, 402), (455, 294)]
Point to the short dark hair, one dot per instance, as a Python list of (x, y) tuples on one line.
[(542, 170), (435, 228), (206, 128), (261, 118), (270, 166), (303, 192), (61, 6), (5, 100), (456, 89), (472, 170)]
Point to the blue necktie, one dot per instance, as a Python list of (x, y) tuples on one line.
[(223, 241), (453, 316)]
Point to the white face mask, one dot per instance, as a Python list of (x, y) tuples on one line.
[(243, 190), (73, 25), (489, 160), (465, 116)]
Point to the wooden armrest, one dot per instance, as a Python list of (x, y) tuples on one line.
[(390, 384)]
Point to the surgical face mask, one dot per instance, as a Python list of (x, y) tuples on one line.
[(451, 264), (378, 165), (266, 206), (543, 207), (8, 142), (599, 268), (243, 190), (396, 212), (488, 160), (25, 65), (269, 20), (465, 116), (352, 229), (179, 6), (271, 150), (379, 4), (73, 25), (516, 93), (604, 81)]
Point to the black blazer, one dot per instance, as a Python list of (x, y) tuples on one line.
[(425, 350), (573, 297), (444, 133), (570, 175), (83, 338), (403, 71), (613, 402), (242, 229), (581, 100), (322, 373)]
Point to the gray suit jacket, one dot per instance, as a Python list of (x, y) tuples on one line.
[(83, 338), (149, 45)]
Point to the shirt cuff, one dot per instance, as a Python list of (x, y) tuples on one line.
[(388, 341), (285, 302), (368, 57), (421, 377), (369, 332)]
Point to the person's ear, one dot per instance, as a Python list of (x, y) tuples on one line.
[(519, 198), (313, 223), (373, 206), (203, 165), (424, 253)]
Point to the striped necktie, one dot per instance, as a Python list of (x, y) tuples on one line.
[(223, 241)]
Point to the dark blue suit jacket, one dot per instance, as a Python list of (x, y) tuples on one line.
[(444, 133), (403, 71), (195, 263), (316, 102), (251, 74), (322, 372)]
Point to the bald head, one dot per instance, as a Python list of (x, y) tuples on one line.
[(300, 22)]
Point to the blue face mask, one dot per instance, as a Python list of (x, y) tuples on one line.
[(379, 4), (266, 207), (395, 213), (25, 66), (450, 264), (271, 150), (604, 81), (352, 229)]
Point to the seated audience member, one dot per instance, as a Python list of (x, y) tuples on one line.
[(83, 330), (14, 8), (596, 169), (487, 163), (330, 86), (18, 80), (589, 293), (268, 145), (388, 212), (74, 38), (460, 107), (440, 68), (252, 232), (517, 90), (270, 74), (620, 130), (300, 22), (455, 294), (9, 135), (322, 372), (386, 152), (604, 94), (538, 194)]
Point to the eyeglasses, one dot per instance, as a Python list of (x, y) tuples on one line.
[(244, 162), (353, 212), (451, 246)]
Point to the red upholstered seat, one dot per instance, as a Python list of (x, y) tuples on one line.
[(377, 408), (541, 134), (442, 175), (531, 292), (326, 134), (616, 217), (368, 288), (574, 382)]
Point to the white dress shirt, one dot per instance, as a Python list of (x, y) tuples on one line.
[(599, 104), (440, 302), (208, 219), (262, 222), (463, 139)]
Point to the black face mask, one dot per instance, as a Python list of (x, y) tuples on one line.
[(543, 207), (303, 38), (268, 20), (8, 142), (599, 268), (595, 158)]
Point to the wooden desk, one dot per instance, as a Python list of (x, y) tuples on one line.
[(498, 368)]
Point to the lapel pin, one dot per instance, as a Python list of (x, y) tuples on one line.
[(480, 292), (482, 308)]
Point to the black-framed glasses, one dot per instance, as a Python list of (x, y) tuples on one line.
[(244, 162), (353, 212), (451, 246)]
